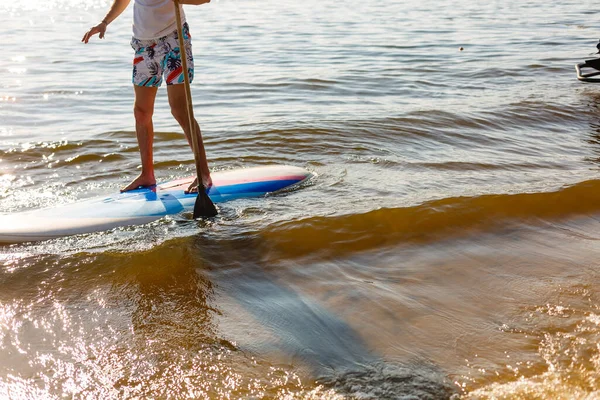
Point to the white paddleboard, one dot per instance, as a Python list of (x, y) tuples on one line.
[(142, 206)]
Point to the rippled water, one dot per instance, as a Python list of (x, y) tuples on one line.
[(448, 247)]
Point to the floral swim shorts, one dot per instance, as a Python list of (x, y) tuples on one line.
[(157, 57)]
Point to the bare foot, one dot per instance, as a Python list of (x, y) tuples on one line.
[(140, 181), (207, 182), (193, 188)]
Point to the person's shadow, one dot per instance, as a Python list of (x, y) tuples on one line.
[(302, 328), (311, 335)]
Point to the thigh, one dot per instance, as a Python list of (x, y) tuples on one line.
[(144, 98)]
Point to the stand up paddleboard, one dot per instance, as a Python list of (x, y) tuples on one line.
[(142, 206)]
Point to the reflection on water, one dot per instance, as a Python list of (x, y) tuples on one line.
[(117, 328)]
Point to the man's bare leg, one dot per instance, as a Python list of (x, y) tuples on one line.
[(177, 101), (143, 110)]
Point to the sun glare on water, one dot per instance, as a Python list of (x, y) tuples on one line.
[(41, 5)]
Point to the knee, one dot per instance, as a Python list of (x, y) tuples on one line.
[(142, 115), (180, 115)]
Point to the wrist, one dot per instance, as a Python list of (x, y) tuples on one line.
[(104, 21)]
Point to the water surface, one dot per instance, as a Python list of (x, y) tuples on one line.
[(449, 245)]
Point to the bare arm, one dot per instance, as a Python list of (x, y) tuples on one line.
[(193, 2), (117, 7)]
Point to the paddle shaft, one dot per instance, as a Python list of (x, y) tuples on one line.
[(188, 97)]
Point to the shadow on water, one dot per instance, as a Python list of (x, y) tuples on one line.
[(309, 334), (304, 328)]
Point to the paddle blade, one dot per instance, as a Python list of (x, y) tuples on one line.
[(204, 206)]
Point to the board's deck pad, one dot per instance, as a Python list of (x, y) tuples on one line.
[(141, 206)]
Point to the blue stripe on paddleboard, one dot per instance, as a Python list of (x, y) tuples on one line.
[(251, 187), (171, 203)]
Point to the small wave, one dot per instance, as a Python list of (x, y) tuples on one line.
[(34, 150), (131, 136), (479, 166), (443, 219), (84, 158), (388, 381)]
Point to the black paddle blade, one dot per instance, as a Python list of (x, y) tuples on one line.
[(204, 206)]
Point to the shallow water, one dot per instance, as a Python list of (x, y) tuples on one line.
[(448, 247)]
